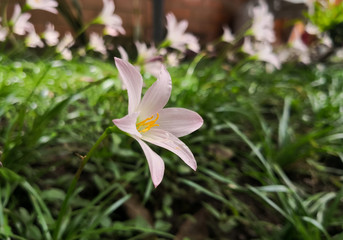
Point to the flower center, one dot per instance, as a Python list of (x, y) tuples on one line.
[(146, 124)]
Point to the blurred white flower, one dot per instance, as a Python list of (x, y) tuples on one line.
[(227, 35), (3, 33), (172, 59), (299, 48), (263, 23), (123, 53), (326, 40), (46, 5), (20, 22), (247, 46), (263, 51), (33, 40), (177, 36), (64, 45), (114, 30), (50, 35), (144, 52), (148, 58), (96, 43), (312, 29), (113, 23), (339, 53)]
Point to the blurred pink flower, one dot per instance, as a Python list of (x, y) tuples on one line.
[(148, 58), (177, 36), (123, 53), (227, 35), (50, 35), (64, 45), (96, 43), (3, 32), (149, 121), (20, 22), (33, 40), (263, 51), (46, 5), (263, 23), (112, 22)]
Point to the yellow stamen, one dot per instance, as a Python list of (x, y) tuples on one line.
[(146, 124)]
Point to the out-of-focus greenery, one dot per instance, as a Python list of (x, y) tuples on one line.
[(326, 17), (329, 18), (269, 154)]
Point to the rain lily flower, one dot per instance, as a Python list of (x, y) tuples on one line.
[(227, 35), (262, 50), (46, 5), (148, 120), (263, 23), (96, 42), (148, 58), (172, 59), (177, 37), (297, 44), (64, 45), (123, 53), (50, 35), (3, 33), (112, 22), (20, 22), (33, 40), (248, 47)]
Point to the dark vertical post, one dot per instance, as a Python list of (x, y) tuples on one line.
[(158, 16)]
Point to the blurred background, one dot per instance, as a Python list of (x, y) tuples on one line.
[(142, 17)]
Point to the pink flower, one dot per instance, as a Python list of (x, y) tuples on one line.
[(263, 23), (148, 58), (50, 35), (177, 36), (64, 45), (262, 50), (20, 21), (149, 121), (46, 5), (3, 33), (33, 40), (96, 42), (112, 22), (123, 53), (227, 35)]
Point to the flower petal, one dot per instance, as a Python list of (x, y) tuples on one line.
[(128, 124), (157, 96), (155, 162), (168, 141), (178, 121), (132, 80)]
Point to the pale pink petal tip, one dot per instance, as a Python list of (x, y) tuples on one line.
[(155, 162)]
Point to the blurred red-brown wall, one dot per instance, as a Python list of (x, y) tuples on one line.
[(205, 17)]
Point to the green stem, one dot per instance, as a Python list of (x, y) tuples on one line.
[(71, 189)]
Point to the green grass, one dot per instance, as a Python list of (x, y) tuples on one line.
[(269, 154)]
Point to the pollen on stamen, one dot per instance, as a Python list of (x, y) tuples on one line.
[(147, 124)]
